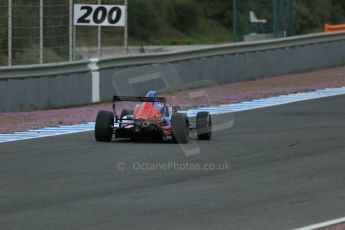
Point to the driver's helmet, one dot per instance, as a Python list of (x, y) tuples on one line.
[(155, 104)]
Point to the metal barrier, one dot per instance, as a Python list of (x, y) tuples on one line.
[(68, 84), (156, 58)]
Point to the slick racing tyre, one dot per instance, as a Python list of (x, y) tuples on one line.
[(180, 128), (104, 126), (204, 126)]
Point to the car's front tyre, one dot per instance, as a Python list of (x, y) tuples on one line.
[(204, 126)]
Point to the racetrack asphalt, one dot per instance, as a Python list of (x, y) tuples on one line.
[(287, 171)]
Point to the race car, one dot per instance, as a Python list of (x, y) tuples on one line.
[(151, 120)]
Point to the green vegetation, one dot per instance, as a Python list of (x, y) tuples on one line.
[(210, 21), (151, 22)]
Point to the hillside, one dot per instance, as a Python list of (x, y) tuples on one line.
[(151, 22)]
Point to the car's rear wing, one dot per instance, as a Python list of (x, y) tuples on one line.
[(139, 99), (135, 99)]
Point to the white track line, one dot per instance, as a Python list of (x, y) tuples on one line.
[(221, 109), (323, 224), (269, 102), (47, 132)]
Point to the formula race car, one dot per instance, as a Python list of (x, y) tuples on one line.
[(151, 120)]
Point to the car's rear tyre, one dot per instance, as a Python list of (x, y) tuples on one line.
[(204, 126), (180, 128), (126, 112), (104, 126)]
